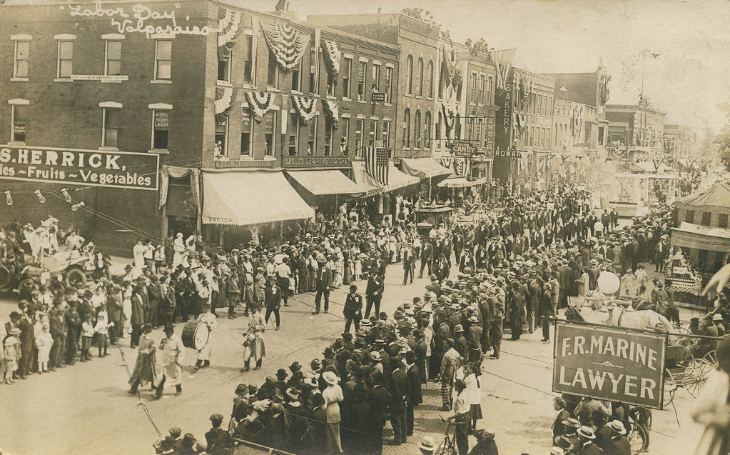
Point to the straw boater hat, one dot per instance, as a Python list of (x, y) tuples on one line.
[(618, 427), (427, 444), (586, 432)]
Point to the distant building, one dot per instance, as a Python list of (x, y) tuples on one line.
[(680, 142), (638, 129)]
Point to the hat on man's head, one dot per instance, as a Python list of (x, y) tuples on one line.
[(586, 432), (175, 432), (281, 374), (618, 427), (571, 422), (216, 418)]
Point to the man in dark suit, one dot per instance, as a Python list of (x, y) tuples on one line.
[(57, 328), (218, 440), (27, 339), (154, 295), (378, 401), (353, 309), (73, 324), (167, 301), (400, 390), (409, 264), (374, 292), (414, 382), (324, 285), (559, 428), (139, 306)]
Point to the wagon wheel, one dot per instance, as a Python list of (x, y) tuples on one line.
[(711, 358), (637, 438), (76, 278), (695, 375), (670, 388)]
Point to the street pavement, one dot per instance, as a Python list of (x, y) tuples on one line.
[(85, 408)]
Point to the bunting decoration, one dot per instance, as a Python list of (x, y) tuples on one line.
[(224, 98), (286, 43), (332, 110), (592, 160), (306, 107), (447, 68), (376, 164), (229, 28), (461, 166), (502, 62), (260, 103), (563, 157), (332, 56), (449, 118), (446, 161)]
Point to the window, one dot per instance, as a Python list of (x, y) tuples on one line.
[(706, 218), (419, 92), (293, 133), (385, 134), (361, 75), (482, 84), (473, 87), (329, 132), (346, 76), (20, 64), (417, 130), (532, 134), (533, 102), (312, 136), (359, 127), (296, 77), (376, 78), (313, 69), (113, 63), (555, 139), (246, 134), (221, 140), (110, 127), (409, 75), (438, 129), (478, 131), (490, 87), (19, 120), (601, 132), (373, 136), (224, 68), (331, 83), (407, 128), (248, 60), (388, 85), (160, 129), (457, 132), (539, 104), (689, 216), (345, 138), (430, 79), (65, 59), (272, 75), (269, 130), (427, 130), (163, 59), (722, 221)]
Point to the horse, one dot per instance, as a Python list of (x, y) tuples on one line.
[(644, 319), (666, 309)]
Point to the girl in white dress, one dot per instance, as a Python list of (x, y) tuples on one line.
[(44, 342)]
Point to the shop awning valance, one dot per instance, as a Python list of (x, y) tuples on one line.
[(224, 98), (306, 107), (332, 109), (332, 56), (424, 168), (249, 198), (396, 178), (327, 182), (229, 28), (690, 235), (259, 103), (286, 43), (461, 182)]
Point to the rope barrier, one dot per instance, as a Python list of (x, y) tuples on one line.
[(140, 402)]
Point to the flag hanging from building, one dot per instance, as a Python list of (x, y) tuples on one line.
[(376, 164)]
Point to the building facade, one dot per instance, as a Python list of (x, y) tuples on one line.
[(680, 142)]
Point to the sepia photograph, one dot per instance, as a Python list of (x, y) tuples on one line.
[(402, 227)]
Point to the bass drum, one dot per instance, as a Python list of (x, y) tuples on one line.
[(195, 335), (5, 278)]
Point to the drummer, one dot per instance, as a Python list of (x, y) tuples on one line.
[(207, 318)]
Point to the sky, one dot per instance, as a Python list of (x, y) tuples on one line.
[(683, 45)]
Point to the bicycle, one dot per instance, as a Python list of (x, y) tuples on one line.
[(448, 445), (639, 433)]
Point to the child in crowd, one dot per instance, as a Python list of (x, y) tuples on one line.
[(11, 354), (44, 342), (102, 330), (87, 334)]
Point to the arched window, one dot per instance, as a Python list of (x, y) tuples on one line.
[(430, 79), (420, 77), (427, 130), (417, 130), (407, 128), (409, 75)]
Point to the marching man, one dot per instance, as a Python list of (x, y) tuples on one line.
[(204, 353), (172, 353)]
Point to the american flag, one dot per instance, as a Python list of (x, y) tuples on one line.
[(376, 164)]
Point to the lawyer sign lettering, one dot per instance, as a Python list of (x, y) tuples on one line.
[(80, 167), (609, 364)]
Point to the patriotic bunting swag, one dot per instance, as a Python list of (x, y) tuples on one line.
[(306, 107), (376, 164), (461, 166), (332, 110), (332, 56), (224, 98), (286, 43), (260, 103), (230, 27), (446, 161)]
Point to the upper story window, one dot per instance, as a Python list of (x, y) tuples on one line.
[(473, 87), (346, 76), (20, 57), (224, 67), (272, 78), (160, 125), (248, 59), (163, 59), (313, 69), (430, 79), (64, 67), (376, 78), (388, 84), (296, 77), (110, 125), (409, 75), (18, 120), (482, 84), (407, 128), (419, 91), (112, 54), (361, 79)]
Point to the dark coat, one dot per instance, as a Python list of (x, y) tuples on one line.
[(400, 388), (353, 306), (414, 379)]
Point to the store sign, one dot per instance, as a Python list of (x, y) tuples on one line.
[(462, 148), (609, 363), (80, 167), (98, 77), (243, 164), (315, 161), (509, 154), (378, 97), (486, 152)]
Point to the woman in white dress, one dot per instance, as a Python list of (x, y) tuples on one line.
[(178, 247)]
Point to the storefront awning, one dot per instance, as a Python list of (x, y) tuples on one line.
[(424, 168), (708, 238), (396, 179), (327, 182), (249, 198), (460, 182)]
